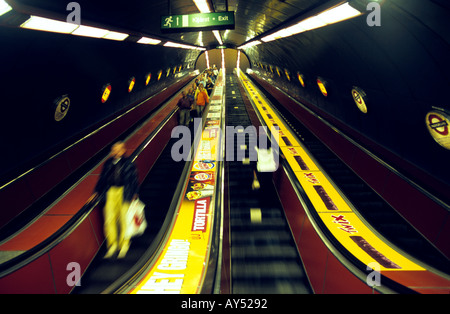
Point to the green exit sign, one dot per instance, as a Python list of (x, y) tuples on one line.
[(197, 22)]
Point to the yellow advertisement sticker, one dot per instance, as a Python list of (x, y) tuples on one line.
[(298, 159), (321, 192), (366, 246), (332, 208), (180, 267)]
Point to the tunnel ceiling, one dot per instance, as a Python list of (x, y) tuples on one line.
[(252, 17)]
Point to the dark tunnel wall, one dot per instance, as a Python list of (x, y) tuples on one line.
[(38, 67), (402, 65)]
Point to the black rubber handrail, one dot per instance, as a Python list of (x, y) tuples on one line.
[(347, 259), (45, 246), (417, 186), (126, 282), (85, 137), (13, 227)]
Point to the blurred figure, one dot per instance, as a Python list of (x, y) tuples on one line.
[(202, 99), (191, 95), (120, 182), (209, 86), (215, 72), (184, 104)]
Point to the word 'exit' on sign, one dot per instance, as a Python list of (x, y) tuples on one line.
[(195, 22)]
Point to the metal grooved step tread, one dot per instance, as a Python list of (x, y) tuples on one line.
[(368, 203), (264, 257)]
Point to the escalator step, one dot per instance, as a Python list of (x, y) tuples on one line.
[(273, 252), (270, 286), (267, 269), (266, 224), (259, 237)]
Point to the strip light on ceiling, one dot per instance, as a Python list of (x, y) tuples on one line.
[(250, 44), (175, 45), (149, 41), (4, 7), (334, 15), (55, 26), (90, 31), (207, 59), (219, 39), (203, 7)]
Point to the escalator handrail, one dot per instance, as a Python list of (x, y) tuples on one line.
[(9, 232), (345, 257), (421, 189), (134, 274), (137, 272), (92, 133), (214, 269), (48, 244)]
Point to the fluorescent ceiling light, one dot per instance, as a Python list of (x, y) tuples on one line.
[(338, 14), (200, 39), (331, 16), (115, 36), (4, 7), (219, 39), (250, 44), (309, 24), (89, 31), (49, 25), (151, 41), (175, 45), (202, 6)]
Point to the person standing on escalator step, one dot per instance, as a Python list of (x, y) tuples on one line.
[(202, 100), (119, 180), (184, 108), (209, 86)]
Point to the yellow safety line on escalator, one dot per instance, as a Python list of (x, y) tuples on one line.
[(338, 216), (181, 266)]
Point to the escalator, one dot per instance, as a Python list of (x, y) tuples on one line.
[(368, 203), (264, 256), (157, 192)]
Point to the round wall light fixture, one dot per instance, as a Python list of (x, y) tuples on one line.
[(106, 92), (301, 79), (288, 75), (438, 124), (62, 105), (131, 83), (360, 98), (323, 86), (148, 77)]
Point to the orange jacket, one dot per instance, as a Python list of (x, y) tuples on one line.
[(202, 98)]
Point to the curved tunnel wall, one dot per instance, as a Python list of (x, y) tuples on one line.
[(215, 58), (38, 67), (402, 65)]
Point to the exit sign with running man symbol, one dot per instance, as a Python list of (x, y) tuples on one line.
[(197, 22)]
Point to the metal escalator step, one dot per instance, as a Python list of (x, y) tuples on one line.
[(268, 224), (251, 252), (260, 237), (393, 228), (244, 213), (365, 206), (267, 269), (270, 286)]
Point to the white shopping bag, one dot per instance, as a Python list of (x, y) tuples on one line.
[(266, 160), (136, 219)]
